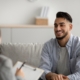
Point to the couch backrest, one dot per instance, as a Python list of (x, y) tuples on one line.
[(21, 52)]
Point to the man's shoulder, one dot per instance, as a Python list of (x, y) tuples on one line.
[(76, 39)]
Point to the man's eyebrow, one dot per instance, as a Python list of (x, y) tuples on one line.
[(59, 23)]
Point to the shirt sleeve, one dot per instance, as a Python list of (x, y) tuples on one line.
[(19, 78), (45, 62)]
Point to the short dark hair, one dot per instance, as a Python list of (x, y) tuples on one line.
[(64, 15)]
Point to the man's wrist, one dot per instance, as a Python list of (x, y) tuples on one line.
[(50, 75), (47, 76)]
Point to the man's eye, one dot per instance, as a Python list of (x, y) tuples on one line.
[(55, 25), (61, 25)]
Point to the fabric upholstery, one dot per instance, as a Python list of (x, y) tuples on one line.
[(21, 52)]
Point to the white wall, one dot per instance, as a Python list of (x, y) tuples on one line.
[(24, 12), (26, 35)]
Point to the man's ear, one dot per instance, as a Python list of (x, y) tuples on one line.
[(71, 26)]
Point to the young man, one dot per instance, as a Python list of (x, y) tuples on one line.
[(60, 57)]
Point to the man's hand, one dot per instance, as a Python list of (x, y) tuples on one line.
[(19, 73), (65, 77), (53, 76)]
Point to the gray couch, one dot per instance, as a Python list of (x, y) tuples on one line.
[(21, 52)]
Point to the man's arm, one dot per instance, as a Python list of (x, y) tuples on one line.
[(76, 74), (45, 62), (54, 76)]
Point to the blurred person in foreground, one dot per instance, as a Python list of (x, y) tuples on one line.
[(6, 70)]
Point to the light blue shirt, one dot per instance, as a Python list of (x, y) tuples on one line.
[(50, 57)]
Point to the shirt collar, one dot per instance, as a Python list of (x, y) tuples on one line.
[(69, 41)]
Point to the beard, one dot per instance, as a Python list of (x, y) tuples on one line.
[(60, 38)]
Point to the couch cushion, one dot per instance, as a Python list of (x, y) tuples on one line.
[(21, 52)]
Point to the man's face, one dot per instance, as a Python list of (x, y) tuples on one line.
[(62, 28)]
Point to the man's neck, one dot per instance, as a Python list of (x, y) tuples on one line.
[(64, 41)]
